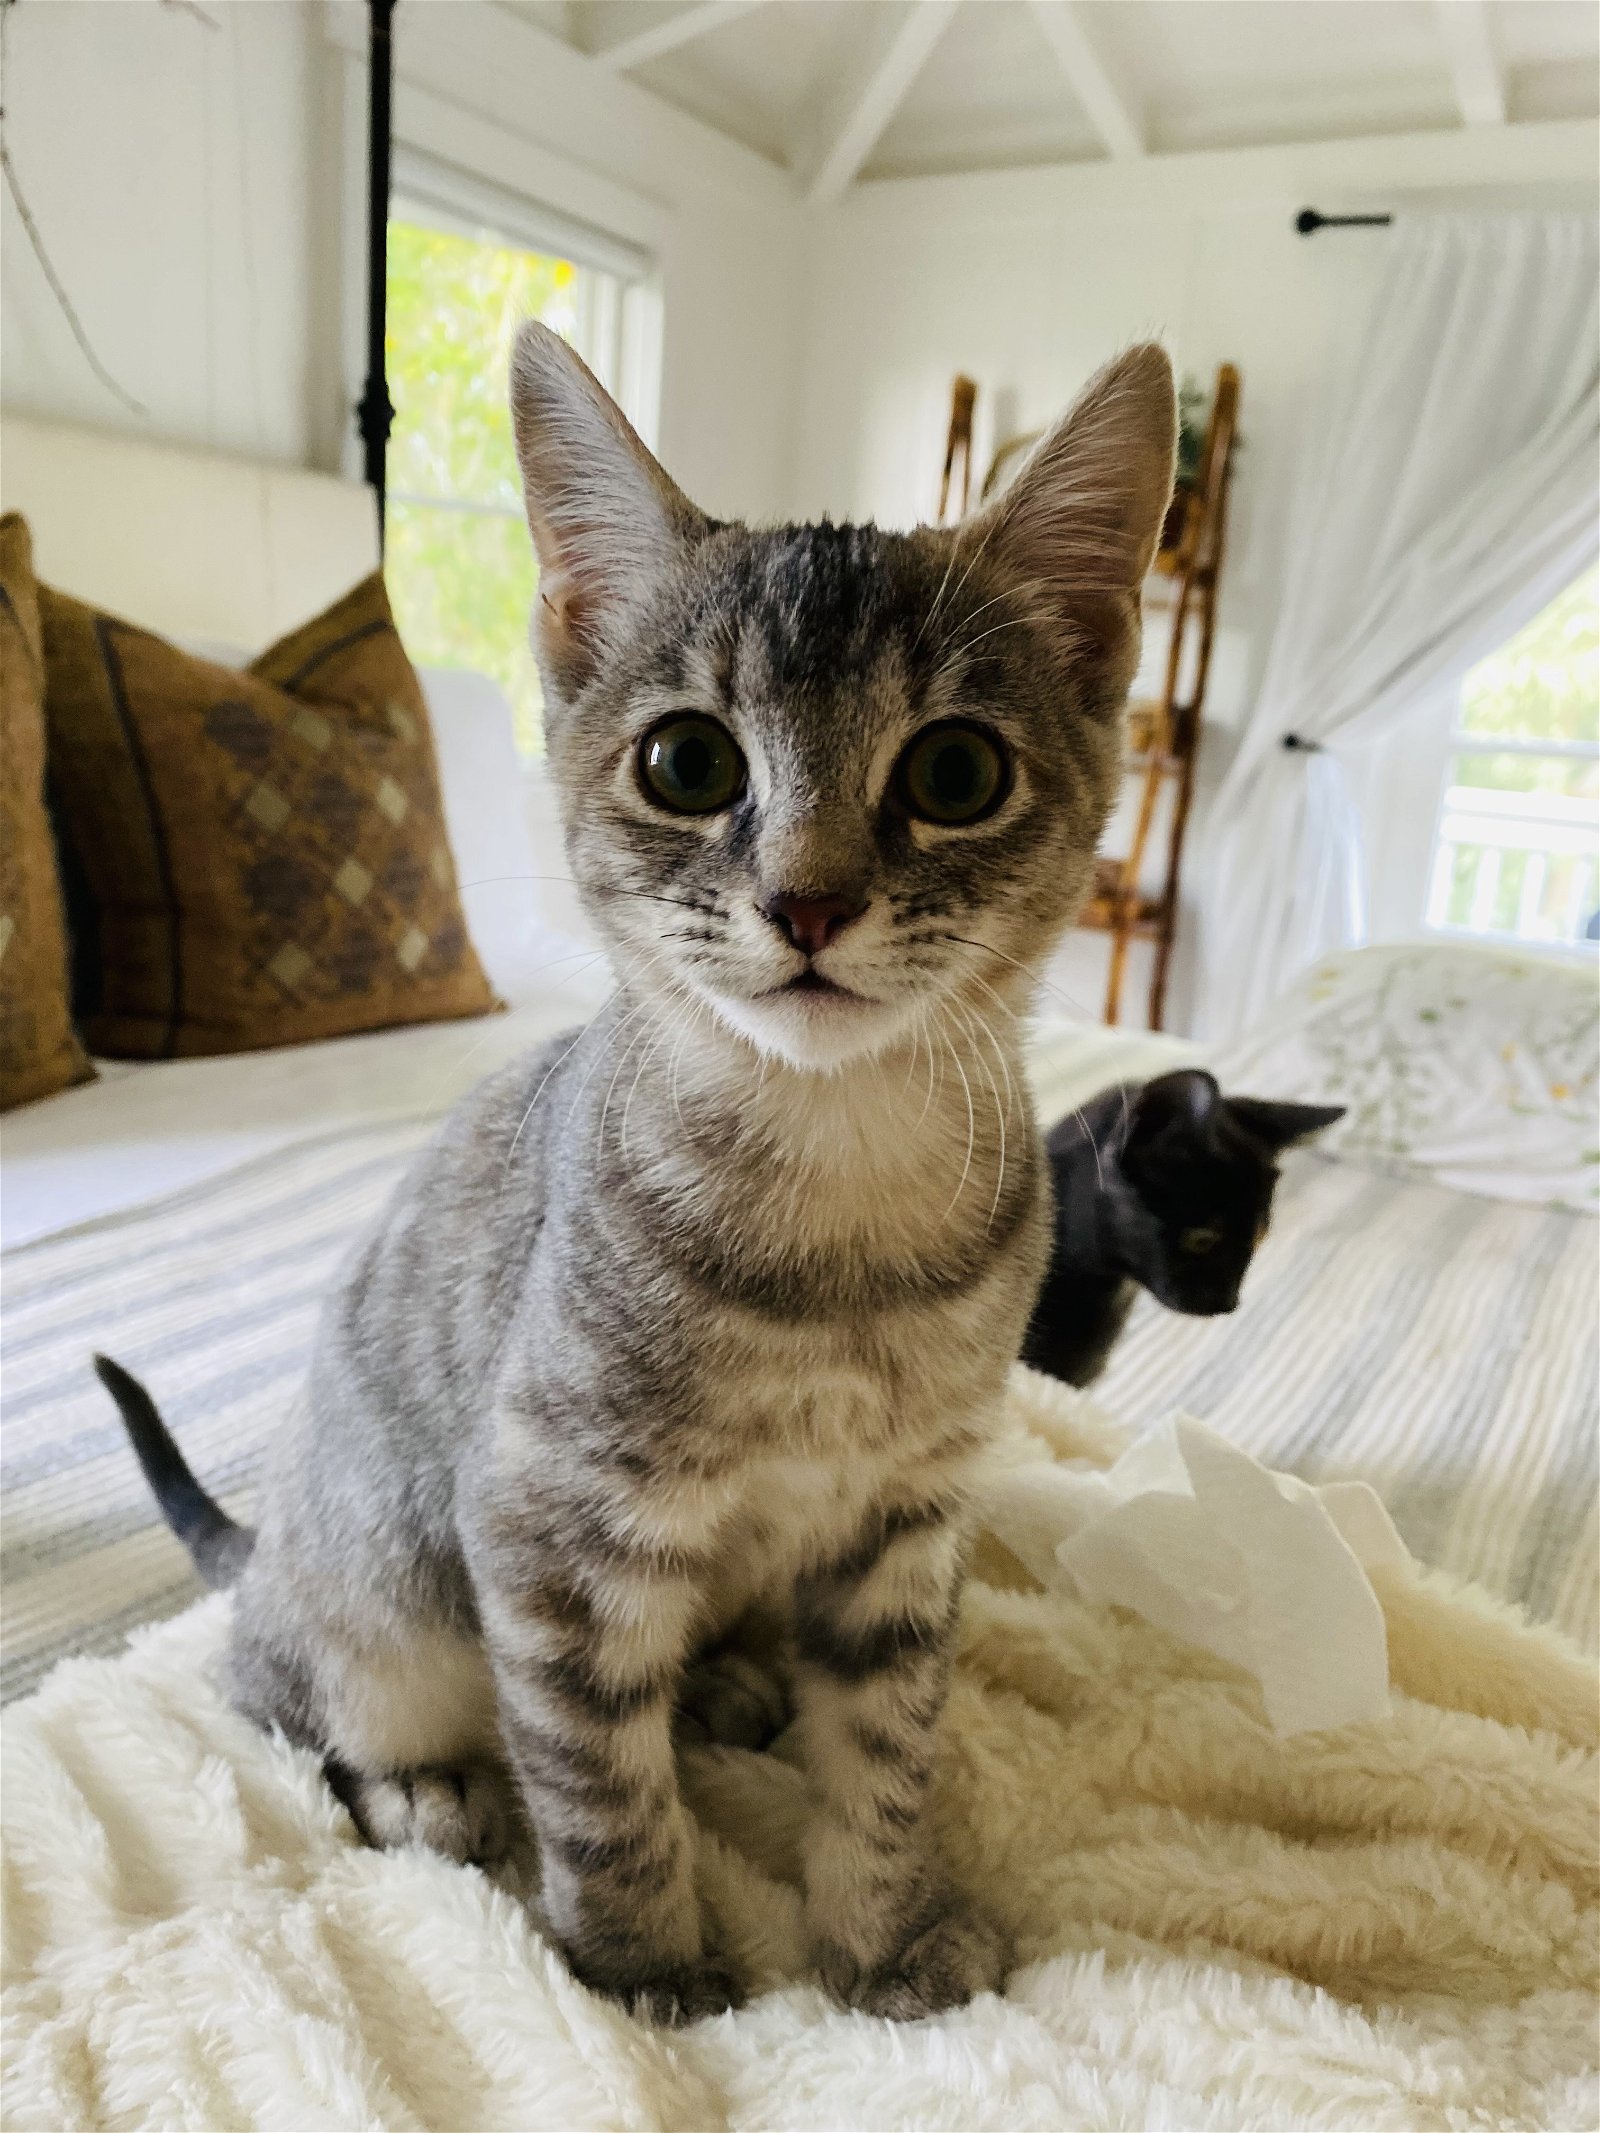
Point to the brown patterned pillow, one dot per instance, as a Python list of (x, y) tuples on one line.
[(39, 1052), (266, 850)]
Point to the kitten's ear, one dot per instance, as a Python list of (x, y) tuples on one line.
[(1282, 1125), (1180, 1103), (606, 521), (1083, 518)]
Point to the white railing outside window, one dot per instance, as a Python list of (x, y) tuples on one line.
[(1517, 848)]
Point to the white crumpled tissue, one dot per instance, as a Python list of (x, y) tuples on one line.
[(1267, 1572)]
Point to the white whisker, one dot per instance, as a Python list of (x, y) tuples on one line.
[(959, 651), (916, 1047), (590, 955), (634, 1042), (968, 1015), (1034, 977), (972, 1128), (928, 618), (676, 1062), (599, 1059), (927, 1100), (544, 1083), (995, 523), (649, 1054)]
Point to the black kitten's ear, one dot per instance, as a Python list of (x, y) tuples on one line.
[(1082, 520), (607, 522), (1181, 1102), (1282, 1125)]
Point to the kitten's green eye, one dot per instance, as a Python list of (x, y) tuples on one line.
[(691, 765), (953, 773), (1199, 1241)]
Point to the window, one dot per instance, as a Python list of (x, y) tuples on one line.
[(1515, 857), (460, 569)]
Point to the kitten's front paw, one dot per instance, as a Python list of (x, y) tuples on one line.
[(674, 1994), (951, 1953), (467, 1814)]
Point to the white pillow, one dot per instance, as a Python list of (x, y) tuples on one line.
[(481, 781), (559, 907), (1474, 1066)]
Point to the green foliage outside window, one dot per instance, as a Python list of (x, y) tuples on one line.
[(1542, 686), (462, 581), (1530, 871)]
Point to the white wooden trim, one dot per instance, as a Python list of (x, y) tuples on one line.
[(1464, 743), (448, 134), (475, 201), (467, 506), (1535, 163), (489, 161), (872, 100), (487, 60), (1475, 76), (1109, 108), (656, 33)]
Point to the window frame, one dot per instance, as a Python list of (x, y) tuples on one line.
[(1458, 741), (615, 340), (598, 340), (615, 274), (617, 299)]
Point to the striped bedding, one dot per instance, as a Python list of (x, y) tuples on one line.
[(1442, 1347)]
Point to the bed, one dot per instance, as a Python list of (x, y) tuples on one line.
[(187, 1216), (1438, 1342)]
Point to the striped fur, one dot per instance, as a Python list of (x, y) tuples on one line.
[(710, 1305)]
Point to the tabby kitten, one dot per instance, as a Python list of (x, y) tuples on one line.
[(713, 1301), (1166, 1187)]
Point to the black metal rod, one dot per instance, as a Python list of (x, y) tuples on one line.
[(376, 411), (1308, 222)]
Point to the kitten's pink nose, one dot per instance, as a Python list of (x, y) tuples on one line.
[(812, 923)]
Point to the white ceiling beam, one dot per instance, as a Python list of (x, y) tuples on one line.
[(877, 92), (1474, 70), (1111, 111), (650, 30)]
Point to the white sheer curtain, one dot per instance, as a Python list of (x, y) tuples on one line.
[(1455, 496)]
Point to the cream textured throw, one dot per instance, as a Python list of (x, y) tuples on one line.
[(1389, 1926)]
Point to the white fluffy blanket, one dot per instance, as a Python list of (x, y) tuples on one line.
[(1391, 1925)]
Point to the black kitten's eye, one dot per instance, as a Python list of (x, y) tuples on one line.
[(953, 773), (691, 764), (1199, 1240)]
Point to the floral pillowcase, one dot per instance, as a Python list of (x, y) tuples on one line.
[(1472, 1066)]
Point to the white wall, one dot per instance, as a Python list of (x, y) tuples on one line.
[(1028, 280), (171, 167), (200, 191)]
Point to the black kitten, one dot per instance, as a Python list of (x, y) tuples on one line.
[(1166, 1187)]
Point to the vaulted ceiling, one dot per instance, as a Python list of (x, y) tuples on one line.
[(837, 90)]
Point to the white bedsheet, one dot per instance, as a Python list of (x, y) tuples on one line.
[(143, 1132)]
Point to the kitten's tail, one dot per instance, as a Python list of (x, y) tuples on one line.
[(219, 1548)]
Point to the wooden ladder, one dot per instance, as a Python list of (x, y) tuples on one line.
[(1164, 730)]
